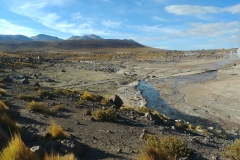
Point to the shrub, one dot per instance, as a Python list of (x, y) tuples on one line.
[(127, 108), (16, 150), (232, 151), (44, 93), (104, 115), (106, 102), (64, 91), (56, 132), (27, 97), (2, 91), (58, 108), (53, 156), (10, 125), (36, 106), (3, 107), (152, 153), (144, 110), (91, 97), (173, 147)]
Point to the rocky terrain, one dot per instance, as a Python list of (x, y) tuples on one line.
[(201, 101)]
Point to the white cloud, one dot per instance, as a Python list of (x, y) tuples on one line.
[(111, 24), (212, 29), (233, 9), (200, 10), (159, 29), (7, 27), (159, 18), (38, 12), (189, 10), (76, 16)]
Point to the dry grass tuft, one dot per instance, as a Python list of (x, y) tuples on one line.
[(2, 92), (171, 146), (64, 91), (127, 108), (16, 150), (44, 93), (27, 97), (106, 101), (152, 153), (36, 106), (91, 97), (56, 132), (53, 156), (104, 115), (144, 110), (10, 125), (58, 107), (232, 151), (3, 107)]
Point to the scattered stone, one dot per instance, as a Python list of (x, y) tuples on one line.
[(117, 101), (149, 116), (142, 136), (92, 119), (173, 127), (214, 157), (63, 70), (145, 131), (24, 81), (78, 123), (37, 84), (119, 151), (38, 150)]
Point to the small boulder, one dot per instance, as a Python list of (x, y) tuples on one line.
[(38, 150), (117, 101)]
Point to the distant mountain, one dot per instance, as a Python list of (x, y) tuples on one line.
[(14, 38), (85, 37), (43, 37)]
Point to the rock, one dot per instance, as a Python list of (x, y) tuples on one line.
[(38, 150), (149, 116), (145, 131), (70, 146), (119, 151), (142, 136), (173, 127), (92, 119), (63, 70), (117, 101), (133, 117), (78, 123), (24, 81), (215, 157), (37, 84)]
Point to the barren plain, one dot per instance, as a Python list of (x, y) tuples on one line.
[(198, 87)]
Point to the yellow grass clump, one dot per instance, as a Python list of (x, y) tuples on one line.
[(232, 151), (58, 107), (2, 91), (10, 125), (152, 153), (56, 132), (27, 97), (3, 107), (53, 156), (16, 150), (127, 108), (91, 97), (36, 106), (44, 93), (104, 115), (170, 146)]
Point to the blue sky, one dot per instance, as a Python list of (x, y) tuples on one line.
[(166, 24)]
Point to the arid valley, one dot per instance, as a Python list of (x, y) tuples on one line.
[(195, 92)]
